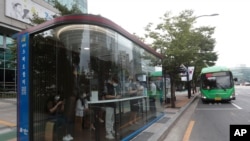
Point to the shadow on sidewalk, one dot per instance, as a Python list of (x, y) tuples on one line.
[(181, 100)]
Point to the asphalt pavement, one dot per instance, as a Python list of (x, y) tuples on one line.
[(156, 131)]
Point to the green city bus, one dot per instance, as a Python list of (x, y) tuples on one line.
[(217, 84)]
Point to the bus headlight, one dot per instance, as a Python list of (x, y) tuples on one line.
[(233, 96), (203, 96)]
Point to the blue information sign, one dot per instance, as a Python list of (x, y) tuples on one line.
[(23, 87)]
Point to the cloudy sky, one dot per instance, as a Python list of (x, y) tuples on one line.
[(232, 24)]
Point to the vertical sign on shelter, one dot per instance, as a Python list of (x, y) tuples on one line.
[(23, 87)]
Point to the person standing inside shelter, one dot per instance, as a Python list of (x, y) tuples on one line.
[(134, 106), (82, 110), (152, 97), (109, 116), (140, 92)]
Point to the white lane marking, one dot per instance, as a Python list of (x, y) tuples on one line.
[(236, 105)]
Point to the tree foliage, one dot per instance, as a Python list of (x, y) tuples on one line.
[(176, 38), (63, 9)]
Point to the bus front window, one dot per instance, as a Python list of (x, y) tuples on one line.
[(223, 82), (219, 82), (209, 83)]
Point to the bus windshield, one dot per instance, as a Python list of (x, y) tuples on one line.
[(217, 80)]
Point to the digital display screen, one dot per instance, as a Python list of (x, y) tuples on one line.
[(216, 74)]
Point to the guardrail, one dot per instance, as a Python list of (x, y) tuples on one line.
[(8, 95)]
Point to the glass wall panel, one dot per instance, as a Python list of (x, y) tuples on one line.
[(2, 70), (7, 65), (1, 41), (71, 69)]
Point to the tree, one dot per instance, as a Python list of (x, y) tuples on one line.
[(180, 43), (64, 10)]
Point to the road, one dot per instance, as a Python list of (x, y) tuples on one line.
[(211, 122), (200, 122)]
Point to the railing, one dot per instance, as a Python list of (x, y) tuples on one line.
[(8, 95), (7, 86)]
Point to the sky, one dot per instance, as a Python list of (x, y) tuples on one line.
[(232, 25)]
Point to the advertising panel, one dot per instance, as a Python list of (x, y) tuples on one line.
[(25, 9)]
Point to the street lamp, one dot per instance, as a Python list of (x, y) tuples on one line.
[(206, 15), (187, 73)]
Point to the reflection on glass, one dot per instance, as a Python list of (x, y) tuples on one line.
[(77, 59)]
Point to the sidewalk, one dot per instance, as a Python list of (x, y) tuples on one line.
[(158, 130), (8, 119)]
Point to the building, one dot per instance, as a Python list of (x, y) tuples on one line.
[(14, 17), (79, 54), (242, 73)]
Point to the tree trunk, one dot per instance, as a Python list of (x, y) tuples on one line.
[(172, 92)]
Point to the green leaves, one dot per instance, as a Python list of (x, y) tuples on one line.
[(63, 9), (176, 38), (180, 42)]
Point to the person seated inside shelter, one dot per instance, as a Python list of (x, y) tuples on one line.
[(55, 109)]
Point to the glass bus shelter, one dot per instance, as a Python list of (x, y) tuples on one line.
[(74, 56)]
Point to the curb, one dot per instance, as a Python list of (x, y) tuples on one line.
[(174, 119), (159, 130)]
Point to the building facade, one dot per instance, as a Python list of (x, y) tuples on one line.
[(14, 17), (242, 73), (78, 56)]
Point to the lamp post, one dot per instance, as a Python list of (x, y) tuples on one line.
[(187, 71), (207, 15)]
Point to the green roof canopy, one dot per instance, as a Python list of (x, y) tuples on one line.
[(156, 74)]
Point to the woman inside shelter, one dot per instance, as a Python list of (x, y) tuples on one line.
[(82, 110)]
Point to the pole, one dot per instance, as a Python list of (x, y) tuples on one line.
[(164, 85), (215, 14), (188, 83)]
